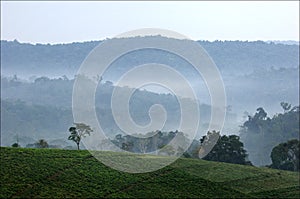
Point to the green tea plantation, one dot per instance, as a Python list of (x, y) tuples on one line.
[(57, 173)]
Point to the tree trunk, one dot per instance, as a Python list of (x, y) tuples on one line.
[(78, 146)]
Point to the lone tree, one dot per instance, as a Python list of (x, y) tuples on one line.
[(15, 145), (78, 132)]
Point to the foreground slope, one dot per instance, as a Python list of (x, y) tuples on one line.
[(65, 173)]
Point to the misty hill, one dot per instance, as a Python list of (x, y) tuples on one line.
[(58, 173), (231, 57), (260, 68), (43, 110), (265, 88)]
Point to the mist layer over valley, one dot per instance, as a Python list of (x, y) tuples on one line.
[(37, 84)]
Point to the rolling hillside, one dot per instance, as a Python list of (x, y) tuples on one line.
[(36, 173)]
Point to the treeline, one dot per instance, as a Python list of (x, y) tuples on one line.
[(226, 149), (150, 142), (271, 142), (211, 147), (263, 141)]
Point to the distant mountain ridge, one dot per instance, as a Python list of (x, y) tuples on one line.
[(285, 42), (231, 57)]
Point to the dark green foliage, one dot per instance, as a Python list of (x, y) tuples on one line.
[(286, 156), (56, 173), (15, 145), (228, 149)]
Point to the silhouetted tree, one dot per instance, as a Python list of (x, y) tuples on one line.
[(78, 132), (41, 144), (228, 149), (15, 145)]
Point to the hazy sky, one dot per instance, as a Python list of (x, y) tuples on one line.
[(64, 22)]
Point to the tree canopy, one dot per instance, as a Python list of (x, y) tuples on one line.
[(227, 149), (286, 156), (261, 133)]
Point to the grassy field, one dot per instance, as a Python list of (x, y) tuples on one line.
[(36, 173)]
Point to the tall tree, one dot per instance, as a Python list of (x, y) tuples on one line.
[(78, 132), (261, 133), (228, 149), (286, 156)]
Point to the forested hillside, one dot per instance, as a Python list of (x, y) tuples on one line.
[(231, 57)]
